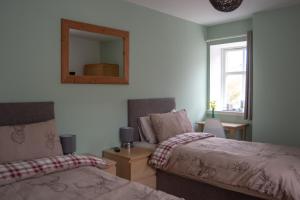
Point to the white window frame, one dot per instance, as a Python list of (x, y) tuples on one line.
[(224, 74)]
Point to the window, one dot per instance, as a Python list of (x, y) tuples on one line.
[(228, 76)]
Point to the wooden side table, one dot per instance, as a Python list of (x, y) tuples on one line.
[(111, 166), (133, 165), (231, 128)]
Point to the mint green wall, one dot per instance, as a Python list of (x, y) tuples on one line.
[(276, 76), (276, 73), (112, 53), (167, 58), (227, 30)]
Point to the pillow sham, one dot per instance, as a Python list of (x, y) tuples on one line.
[(168, 125), (146, 131), (29, 141)]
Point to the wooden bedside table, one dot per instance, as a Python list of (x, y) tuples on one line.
[(133, 165), (232, 128), (111, 166)]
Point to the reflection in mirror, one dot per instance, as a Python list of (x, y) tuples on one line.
[(95, 54)]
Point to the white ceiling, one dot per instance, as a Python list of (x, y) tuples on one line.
[(201, 11)]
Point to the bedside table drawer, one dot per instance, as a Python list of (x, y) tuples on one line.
[(133, 165), (149, 181), (123, 167), (140, 169), (112, 170)]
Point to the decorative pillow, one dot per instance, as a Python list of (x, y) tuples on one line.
[(146, 131), (29, 141), (170, 124)]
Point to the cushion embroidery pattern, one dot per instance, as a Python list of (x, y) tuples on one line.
[(18, 134), (50, 139)]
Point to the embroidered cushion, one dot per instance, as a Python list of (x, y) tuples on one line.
[(170, 124), (29, 141)]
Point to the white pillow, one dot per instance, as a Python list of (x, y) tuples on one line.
[(146, 131)]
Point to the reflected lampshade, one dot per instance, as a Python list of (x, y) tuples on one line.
[(68, 143)]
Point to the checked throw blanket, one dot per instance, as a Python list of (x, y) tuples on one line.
[(161, 155), (16, 171)]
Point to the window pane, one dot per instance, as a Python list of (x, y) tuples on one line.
[(226, 60), (234, 92), (234, 60)]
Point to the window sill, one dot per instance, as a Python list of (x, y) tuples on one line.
[(231, 113)]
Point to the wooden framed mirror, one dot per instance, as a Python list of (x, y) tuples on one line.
[(92, 54)]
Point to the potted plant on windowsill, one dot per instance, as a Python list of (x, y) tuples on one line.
[(212, 106)]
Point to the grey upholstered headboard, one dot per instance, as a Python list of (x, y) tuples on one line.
[(25, 113), (142, 107)]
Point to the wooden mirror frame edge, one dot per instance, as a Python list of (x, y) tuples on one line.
[(66, 25)]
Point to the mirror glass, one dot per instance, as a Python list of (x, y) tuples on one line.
[(95, 54)]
